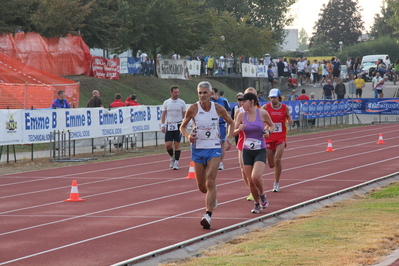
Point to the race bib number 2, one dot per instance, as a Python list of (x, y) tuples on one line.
[(253, 144)]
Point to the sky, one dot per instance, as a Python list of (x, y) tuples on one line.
[(310, 9)]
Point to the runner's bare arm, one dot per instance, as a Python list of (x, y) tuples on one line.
[(190, 114)]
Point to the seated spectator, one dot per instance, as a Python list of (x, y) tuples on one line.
[(292, 83), (117, 102), (303, 96), (131, 100)]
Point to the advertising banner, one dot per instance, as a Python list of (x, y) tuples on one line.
[(104, 68), (83, 123), (194, 67), (249, 70), (130, 65), (11, 127), (172, 69), (325, 108)]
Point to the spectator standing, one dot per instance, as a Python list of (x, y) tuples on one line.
[(356, 66), (132, 100), (303, 96), (380, 85), (206, 144), (277, 140), (324, 72), (173, 111), (280, 68), (396, 71), (210, 66), (350, 68), (143, 61), (312, 121), (301, 65), (328, 91), (267, 59), (340, 90), (252, 122), (330, 69), (222, 123), (374, 83), (293, 68), (117, 102), (315, 73), (95, 100), (336, 69), (270, 76), (60, 102), (261, 99), (359, 83), (382, 67)]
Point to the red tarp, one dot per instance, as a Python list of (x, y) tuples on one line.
[(23, 86), (58, 56)]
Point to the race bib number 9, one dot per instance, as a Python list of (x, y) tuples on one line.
[(206, 134), (278, 127)]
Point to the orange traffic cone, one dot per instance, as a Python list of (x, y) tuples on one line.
[(191, 173), (329, 146), (74, 196), (380, 140)]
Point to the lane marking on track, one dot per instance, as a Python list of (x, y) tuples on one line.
[(164, 219)]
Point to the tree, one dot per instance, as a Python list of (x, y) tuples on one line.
[(224, 37), (270, 14), (158, 26), (103, 25), (54, 18), (16, 15), (393, 21), (339, 21), (303, 39), (380, 26)]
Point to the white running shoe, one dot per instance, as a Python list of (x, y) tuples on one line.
[(257, 208), (276, 187), (172, 162), (221, 167), (176, 165), (206, 221)]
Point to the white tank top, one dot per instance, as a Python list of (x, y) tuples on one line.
[(206, 126)]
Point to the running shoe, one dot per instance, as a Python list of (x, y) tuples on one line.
[(172, 162), (221, 167), (216, 204), (276, 187), (256, 208), (206, 221), (250, 197), (263, 201), (176, 165)]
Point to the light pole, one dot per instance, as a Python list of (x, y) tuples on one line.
[(340, 46)]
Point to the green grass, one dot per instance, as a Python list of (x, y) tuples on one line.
[(357, 231), (150, 90)]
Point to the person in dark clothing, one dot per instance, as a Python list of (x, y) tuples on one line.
[(340, 90), (95, 101)]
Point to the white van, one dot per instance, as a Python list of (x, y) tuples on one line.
[(368, 62)]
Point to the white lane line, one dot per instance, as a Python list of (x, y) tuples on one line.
[(171, 217)]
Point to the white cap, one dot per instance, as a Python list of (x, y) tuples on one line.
[(274, 93)]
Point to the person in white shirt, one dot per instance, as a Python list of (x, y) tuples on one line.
[(301, 71), (173, 111), (374, 83), (144, 65), (206, 144), (315, 73)]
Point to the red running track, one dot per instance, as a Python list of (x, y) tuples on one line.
[(135, 206)]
